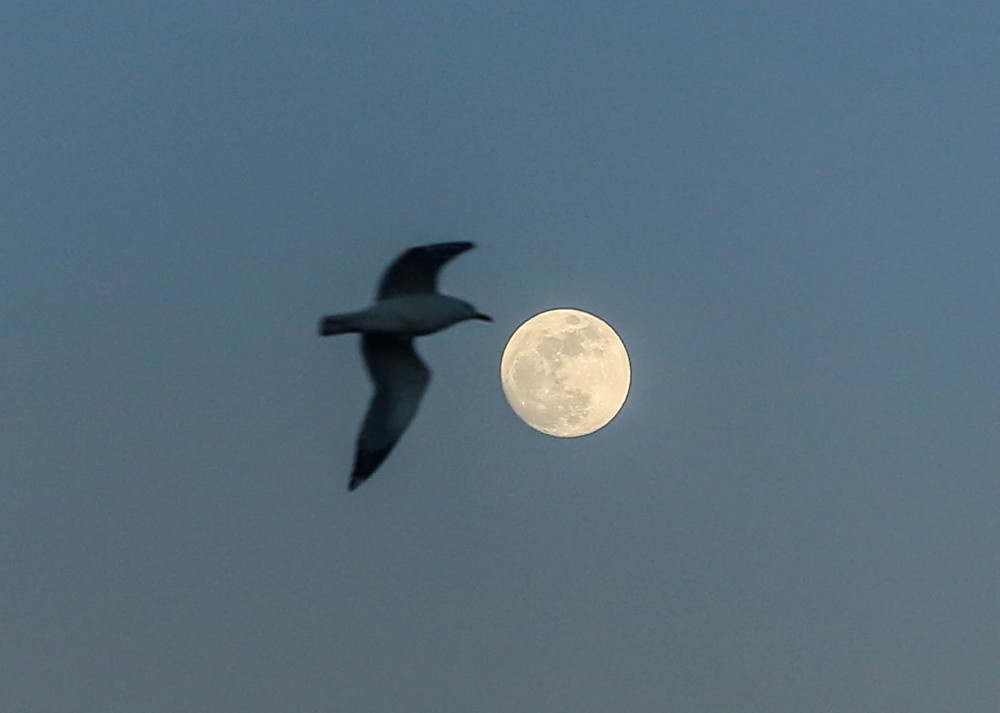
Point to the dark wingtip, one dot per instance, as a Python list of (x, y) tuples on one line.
[(357, 478), (482, 317), (451, 249), (365, 464)]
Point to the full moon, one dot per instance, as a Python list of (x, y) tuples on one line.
[(565, 373)]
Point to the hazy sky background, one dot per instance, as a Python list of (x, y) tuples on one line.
[(788, 211)]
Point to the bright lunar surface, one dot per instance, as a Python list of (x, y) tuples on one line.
[(565, 373)]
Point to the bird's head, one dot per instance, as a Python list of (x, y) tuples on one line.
[(471, 312)]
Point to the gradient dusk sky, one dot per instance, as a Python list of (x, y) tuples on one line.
[(789, 212)]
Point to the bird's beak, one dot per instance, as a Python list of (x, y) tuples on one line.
[(483, 317)]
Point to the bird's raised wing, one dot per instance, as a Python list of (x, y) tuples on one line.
[(400, 379), (416, 270)]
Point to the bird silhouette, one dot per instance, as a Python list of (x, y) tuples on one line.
[(407, 305)]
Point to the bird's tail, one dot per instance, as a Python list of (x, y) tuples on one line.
[(335, 324)]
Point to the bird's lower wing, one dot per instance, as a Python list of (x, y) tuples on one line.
[(400, 379)]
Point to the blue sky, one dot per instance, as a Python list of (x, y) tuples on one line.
[(788, 212)]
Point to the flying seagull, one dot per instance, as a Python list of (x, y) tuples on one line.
[(407, 305)]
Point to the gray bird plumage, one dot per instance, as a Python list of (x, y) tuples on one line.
[(407, 305)]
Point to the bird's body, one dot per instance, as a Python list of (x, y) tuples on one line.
[(403, 316), (407, 305)]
